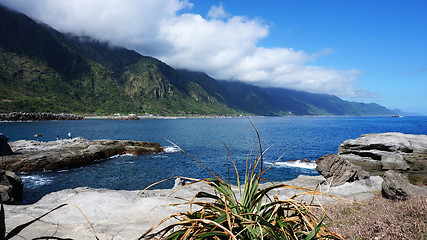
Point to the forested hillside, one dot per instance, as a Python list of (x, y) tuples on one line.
[(43, 70)]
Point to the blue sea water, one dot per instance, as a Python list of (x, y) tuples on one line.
[(205, 140)]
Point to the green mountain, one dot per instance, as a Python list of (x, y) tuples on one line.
[(279, 101), (43, 70)]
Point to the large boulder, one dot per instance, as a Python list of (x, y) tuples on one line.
[(10, 187), (338, 170), (397, 187), (4, 146), (376, 145), (381, 152)]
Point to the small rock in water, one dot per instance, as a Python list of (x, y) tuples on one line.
[(11, 187)]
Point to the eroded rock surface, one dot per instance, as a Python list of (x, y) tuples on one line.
[(30, 155), (4, 146), (378, 153), (397, 187), (338, 170), (127, 215), (10, 187)]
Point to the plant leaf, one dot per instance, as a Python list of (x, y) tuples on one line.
[(19, 228), (206, 195), (2, 222), (315, 230)]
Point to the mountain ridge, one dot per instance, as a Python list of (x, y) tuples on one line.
[(42, 69)]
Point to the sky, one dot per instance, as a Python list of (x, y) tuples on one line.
[(365, 51)]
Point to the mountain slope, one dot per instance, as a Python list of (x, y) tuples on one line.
[(42, 69), (279, 101)]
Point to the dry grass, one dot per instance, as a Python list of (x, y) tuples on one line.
[(390, 219)]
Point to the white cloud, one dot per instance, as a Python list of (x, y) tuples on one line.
[(224, 46), (217, 12)]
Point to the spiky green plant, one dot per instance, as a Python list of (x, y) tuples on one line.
[(254, 215), (15, 231)]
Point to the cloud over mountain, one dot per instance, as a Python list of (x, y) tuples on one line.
[(222, 45)]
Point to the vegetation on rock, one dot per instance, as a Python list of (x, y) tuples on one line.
[(249, 214)]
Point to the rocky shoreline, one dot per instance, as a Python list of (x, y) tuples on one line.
[(119, 117), (378, 153), (19, 116), (31, 155), (119, 215), (123, 215)]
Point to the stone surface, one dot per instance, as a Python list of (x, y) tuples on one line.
[(179, 182), (4, 146), (397, 187), (10, 187), (62, 154), (338, 170), (376, 145), (393, 161), (357, 190), (122, 215), (378, 153)]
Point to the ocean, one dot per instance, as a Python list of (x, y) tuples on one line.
[(206, 140)]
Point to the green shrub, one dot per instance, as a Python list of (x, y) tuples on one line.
[(252, 215)]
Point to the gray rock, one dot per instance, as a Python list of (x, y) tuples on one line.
[(62, 154), (4, 146), (377, 153), (10, 187), (376, 145), (179, 182), (19, 116), (397, 187), (393, 162), (338, 170)]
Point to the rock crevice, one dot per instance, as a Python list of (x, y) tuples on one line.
[(395, 156), (377, 153)]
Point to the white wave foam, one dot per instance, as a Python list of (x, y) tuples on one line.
[(121, 155), (36, 180), (171, 149), (298, 164)]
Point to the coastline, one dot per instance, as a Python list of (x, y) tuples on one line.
[(125, 117), (31, 155), (31, 117), (124, 215)]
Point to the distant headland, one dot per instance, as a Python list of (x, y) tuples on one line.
[(20, 116)]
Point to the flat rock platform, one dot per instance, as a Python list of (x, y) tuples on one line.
[(31, 155)]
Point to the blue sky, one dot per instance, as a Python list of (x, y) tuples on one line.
[(369, 51), (385, 40)]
